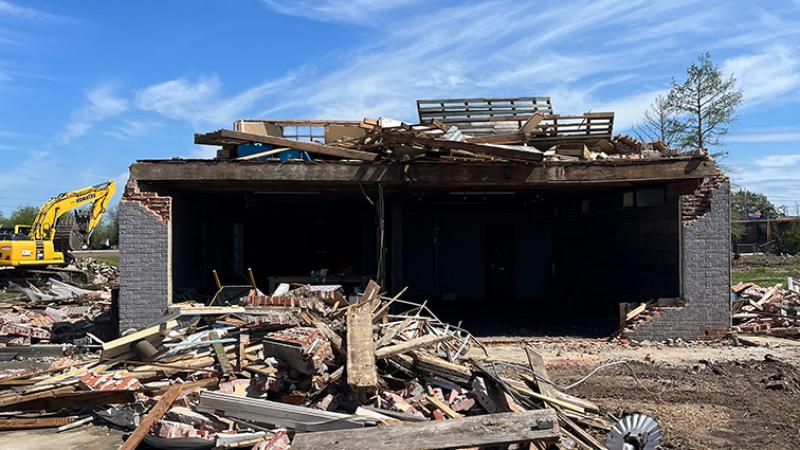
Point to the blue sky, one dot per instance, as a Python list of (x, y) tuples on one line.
[(88, 87)]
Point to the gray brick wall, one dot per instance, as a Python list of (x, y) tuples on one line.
[(145, 275), (705, 278)]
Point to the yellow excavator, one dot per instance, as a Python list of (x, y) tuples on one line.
[(52, 235)]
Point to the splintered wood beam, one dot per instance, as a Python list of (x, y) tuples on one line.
[(532, 123), (34, 423), (57, 402), (475, 431), (221, 137), (362, 375), (370, 292), (155, 414), (412, 344), (536, 362), (220, 356), (499, 152)]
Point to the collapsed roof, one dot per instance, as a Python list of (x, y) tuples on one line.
[(522, 129)]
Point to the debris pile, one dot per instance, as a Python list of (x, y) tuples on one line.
[(98, 273), (306, 369), (772, 311), (521, 129), (57, 313)]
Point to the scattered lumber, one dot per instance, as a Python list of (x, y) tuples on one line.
[(405, 374)]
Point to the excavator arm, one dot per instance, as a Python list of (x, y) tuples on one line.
[(44, 225)]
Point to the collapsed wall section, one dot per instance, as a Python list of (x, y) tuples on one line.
[(145, 240), (705, 269)]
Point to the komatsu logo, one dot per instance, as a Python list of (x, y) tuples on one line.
[(86, 197)]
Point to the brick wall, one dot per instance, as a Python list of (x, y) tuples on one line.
[(705, 269), (145, 257)]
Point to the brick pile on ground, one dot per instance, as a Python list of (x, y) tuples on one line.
[(305, 368), (767, 310), (54, 313), (98, 273)]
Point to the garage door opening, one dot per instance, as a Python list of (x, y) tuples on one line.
[(555, 261)]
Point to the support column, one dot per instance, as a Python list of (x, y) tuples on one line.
[(145, 242)]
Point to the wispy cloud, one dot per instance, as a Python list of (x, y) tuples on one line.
[(130, 129), (101, 103), (25, 12), (357, 11), (202, 102), (778, 160), (765, 137), (766, 75)]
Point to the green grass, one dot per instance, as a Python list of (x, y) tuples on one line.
[(111, 260), (762, 276), (765, 270)]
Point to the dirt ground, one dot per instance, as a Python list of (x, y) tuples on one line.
[(704, 395)]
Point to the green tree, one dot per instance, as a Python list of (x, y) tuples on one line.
[(789, 240), (107, 229), (660, 123), (744, 203), (704, 103), (23, 215)]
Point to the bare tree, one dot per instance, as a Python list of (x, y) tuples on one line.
[(705, 104), (659, 124)]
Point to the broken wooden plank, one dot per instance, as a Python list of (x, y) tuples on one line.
[(536, 362), (362, 373), (35, 423), (13, 398), (500, 152), (241, 351), (125, 343), (336, 341), (153, 416), (219, 355), (370, 292), (444, 407), (229, 136), (484, 430), (412, 344), (201, 383), (531, 124), (635, 312), (70, 399), (434, 365)]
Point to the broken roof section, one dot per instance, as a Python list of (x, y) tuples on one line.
[(520, 129)]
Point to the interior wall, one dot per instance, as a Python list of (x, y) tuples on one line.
[(567, 255), (275, 235), (607, 253), (447, 253)]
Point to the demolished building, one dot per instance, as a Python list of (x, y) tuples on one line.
[(490, 209)]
